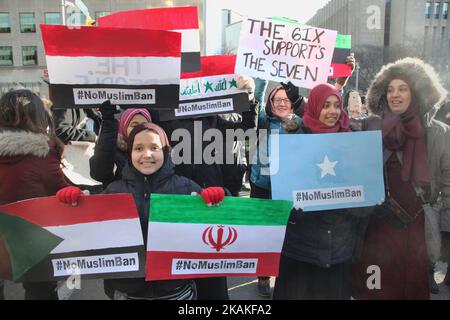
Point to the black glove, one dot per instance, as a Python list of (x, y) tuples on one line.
[(295, 216), (108, 110), (291, 91)]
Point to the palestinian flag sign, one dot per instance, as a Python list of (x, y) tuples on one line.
[(188, 239), (342, 50), (88, 66), (213, 90), (45, 240), (179, 19)]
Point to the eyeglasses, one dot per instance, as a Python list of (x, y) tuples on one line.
[(280, 100)]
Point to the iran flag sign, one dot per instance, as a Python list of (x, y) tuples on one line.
[(87, 66), (42, 239), (188, 239), (212, 90), (180, 19)]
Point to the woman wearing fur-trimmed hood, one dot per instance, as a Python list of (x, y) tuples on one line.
[(404, 97)]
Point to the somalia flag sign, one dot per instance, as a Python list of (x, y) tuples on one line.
[(329, 171), (188, 239), (42, 239)]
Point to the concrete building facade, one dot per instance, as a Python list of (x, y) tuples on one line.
[(22, 56)]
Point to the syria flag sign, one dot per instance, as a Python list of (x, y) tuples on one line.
[(188, 239), (179, 19), (44, 240), (87, 66), (212, 90)]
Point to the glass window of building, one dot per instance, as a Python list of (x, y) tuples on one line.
[(77, 19), (5, 25), (52, 18), (29, 56), (445, 10), (437, 5), (6, 56), (428, 9), (27, 22)]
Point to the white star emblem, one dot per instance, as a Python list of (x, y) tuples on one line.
[(327, 167)]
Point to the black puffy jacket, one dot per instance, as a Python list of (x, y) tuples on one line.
[(164, 181)]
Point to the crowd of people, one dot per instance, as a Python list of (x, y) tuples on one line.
[(326, 254)]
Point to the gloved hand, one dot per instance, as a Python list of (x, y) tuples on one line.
[(291, 91), (350, 61), (247, 84), (296, 215), (108, 110), (69, 195), (213, 196)]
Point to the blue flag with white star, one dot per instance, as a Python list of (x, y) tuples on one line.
[(329, 171)]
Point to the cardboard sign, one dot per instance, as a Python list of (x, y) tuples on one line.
[(329, 171), (101, 237), (213, 90), (282, 52), (88, 66), (188, 239)]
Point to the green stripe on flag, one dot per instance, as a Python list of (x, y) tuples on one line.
[(343, 41), (233, 211), (27, 243), (287, 20)]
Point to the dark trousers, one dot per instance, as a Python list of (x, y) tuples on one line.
[(304, 281), (212, 288), (40, 290)]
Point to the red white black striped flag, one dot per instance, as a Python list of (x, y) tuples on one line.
[(89, 65), (180, 19)]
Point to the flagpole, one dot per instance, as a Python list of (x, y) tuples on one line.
[(63, 11)]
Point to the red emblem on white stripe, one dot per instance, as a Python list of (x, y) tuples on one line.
[(219, 240)]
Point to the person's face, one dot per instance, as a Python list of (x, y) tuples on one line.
[(398, 96), (281, 105), (135, 121), (354, 105), (147, 155), (331, 111)]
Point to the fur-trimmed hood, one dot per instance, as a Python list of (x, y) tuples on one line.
[(423, 79), (22, 143)]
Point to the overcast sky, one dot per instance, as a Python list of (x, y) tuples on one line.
[(301, 10)]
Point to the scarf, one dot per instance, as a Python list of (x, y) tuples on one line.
[(316, 101)]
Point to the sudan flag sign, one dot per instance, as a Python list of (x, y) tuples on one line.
[(212, 90), (22, 246), (179, 19), (43, 240), (188, 239), (87, 66)]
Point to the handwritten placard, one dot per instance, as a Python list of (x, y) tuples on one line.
[(282, 52)]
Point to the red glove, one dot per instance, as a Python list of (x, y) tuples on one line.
[(69, 195), (213, 195)]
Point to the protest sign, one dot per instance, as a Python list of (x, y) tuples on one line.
[(282, 52), (88, 66), (101, 237), (179, 19), (213, 90), (330, 171), (188, 239)]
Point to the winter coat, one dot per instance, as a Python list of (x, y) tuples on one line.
[(430, 99), (108, 154), (401, 253), (323, 238), (266, 120), (29, 166), (164, 181), (70, 124), (206, 175)]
